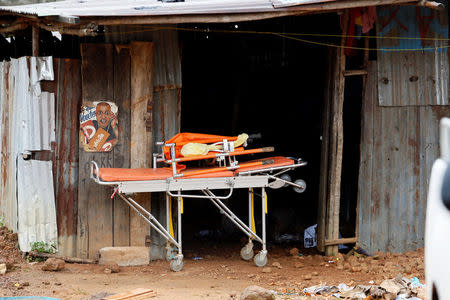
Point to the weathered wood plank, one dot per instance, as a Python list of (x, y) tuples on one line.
[(323, 185), (122, 96), (142, 62), (65, 164), (94, 203)]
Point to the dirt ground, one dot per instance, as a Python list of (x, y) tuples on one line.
[(219, 274)]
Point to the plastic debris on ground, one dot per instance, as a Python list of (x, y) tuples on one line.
[(399, 288), (310, 238)]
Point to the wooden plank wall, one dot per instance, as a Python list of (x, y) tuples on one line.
[(119, 74), (95, 208)]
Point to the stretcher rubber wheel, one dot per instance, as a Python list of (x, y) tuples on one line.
[(169, 255), (176, 265), (301, 183), (247, 253), (260, 259)]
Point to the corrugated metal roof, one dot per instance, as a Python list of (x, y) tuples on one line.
[(89, 8)]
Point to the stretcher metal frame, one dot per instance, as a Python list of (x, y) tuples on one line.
[(176, 187)]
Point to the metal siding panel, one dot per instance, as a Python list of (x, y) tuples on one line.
[(405, 144), (396, 69), (36, 204), (365, 180)]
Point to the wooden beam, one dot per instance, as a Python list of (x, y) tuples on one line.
[(336, 146), (355, 73), (324, 157), (241, 17), (35, 41), (142, 62), (341, 241)]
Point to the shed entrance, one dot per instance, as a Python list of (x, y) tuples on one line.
[(245, 77)]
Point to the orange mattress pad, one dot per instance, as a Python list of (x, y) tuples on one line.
[(145, 174)]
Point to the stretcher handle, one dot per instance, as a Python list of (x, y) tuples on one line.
[(202, 197), (214, 155)]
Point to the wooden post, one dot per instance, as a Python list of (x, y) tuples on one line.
[(35, 41), (324, 157), (141, 137), (336, 145)]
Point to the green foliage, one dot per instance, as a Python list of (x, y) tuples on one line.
[(2, 221), (43, 247)]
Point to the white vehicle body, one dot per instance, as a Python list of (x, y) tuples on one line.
[(437, 231)]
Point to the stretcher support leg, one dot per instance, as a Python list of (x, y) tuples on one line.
[(260, 259), (170, 249), (247, 252), (176, 264), (149, 218)]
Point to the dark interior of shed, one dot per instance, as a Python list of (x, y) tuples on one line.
[(241, 78)]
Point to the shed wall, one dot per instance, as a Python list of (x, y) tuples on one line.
[(166, 109), (412, 76), (398, 147)]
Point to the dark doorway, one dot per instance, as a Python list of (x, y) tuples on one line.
[(258, 82)]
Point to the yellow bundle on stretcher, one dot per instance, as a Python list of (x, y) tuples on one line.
[(191, 149)]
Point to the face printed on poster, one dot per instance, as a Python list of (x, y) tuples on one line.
[(98, 126)]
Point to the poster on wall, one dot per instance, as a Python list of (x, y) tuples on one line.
[(98, 126)]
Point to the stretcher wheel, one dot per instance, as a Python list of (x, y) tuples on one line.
[(260, 259), (287, 178), (169, 255), (247, 252), (176, 264), (301, 183)]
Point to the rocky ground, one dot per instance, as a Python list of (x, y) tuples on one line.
[(219, 274)]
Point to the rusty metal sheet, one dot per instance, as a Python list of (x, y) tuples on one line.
[(417, 77), (398, 148), (68, 100), (27, 124)]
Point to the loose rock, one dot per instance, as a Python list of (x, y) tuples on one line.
[(255, 292), (111, 268), (267, 270), (294, 252), (53, 264), (277, 265), (299, 264), (2, 269)]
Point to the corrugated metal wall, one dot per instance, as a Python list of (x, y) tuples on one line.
[(166, 97), (27, 124), (398, 147), (412, 77)]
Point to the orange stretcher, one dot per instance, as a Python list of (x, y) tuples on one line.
[(175, 179)]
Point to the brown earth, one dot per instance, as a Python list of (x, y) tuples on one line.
[(220, 274)]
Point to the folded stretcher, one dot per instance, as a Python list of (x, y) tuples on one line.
[(227, 173)]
